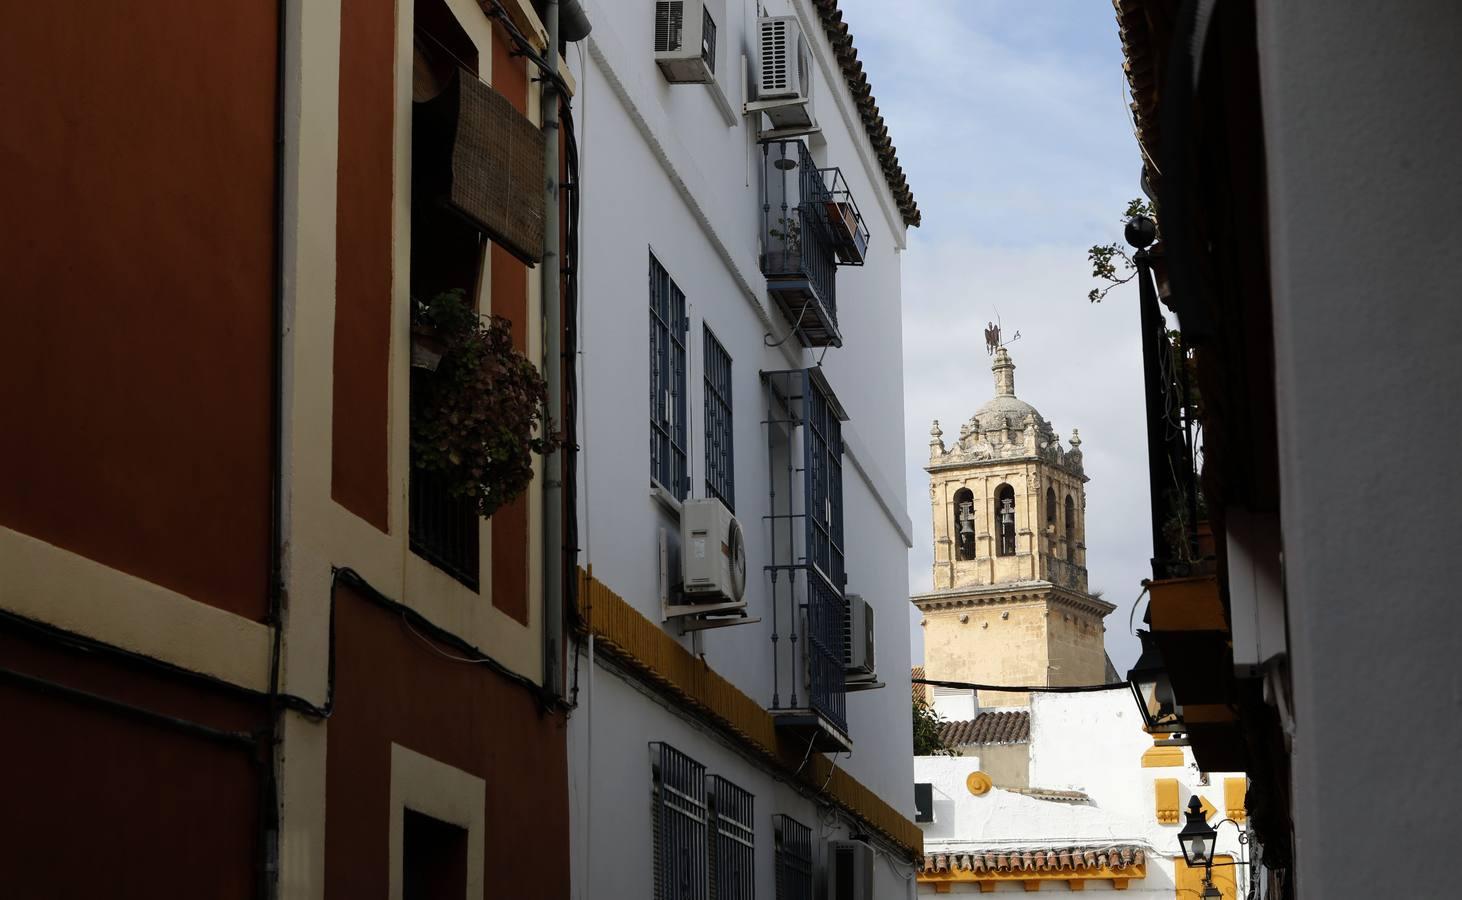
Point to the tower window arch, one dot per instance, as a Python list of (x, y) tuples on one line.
[(1051, 508), (1070, 528), (1005, 520), (964, 524)]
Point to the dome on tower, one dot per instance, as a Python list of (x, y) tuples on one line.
[(1005, 410)]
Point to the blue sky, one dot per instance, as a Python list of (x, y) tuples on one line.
[(1011, 125)]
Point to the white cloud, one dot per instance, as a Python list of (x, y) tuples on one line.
[(1011, 127)]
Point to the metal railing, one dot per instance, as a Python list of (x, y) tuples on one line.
[(798, 256), (845, 221), (442, 528), (679, 824), (793, 850), (733, 844)]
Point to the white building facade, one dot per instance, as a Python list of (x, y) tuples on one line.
[(725, 741), (1103, 810)]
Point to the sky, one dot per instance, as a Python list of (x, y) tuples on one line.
[(1011, 125)]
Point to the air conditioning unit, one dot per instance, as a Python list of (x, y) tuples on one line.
[(858, 659), (712, 553), (685, 39), (784, 73), (849, 870)]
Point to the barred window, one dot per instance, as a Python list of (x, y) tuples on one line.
[(733, 841), (793, 850), (668, 328), (824, 448), (679, 822), (720, 458)]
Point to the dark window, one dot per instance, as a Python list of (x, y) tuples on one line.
[(679, 799), (964, 524), (1051, 510), (824, 448), (1070, 528), (793, 850), (1005, 520), (433, 858), (446, 255), (708, 40), (924, 801), (733, 841), (668, 327), (720, 460)]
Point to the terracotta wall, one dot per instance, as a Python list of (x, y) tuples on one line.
[(360, 450), (392, 687), (136, 278), (102, 804)]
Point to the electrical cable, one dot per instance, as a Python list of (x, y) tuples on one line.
[(1027, 688), (793, 330)]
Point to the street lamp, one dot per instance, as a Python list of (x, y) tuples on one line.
[(1153, 690), (1210, 892), (1197, 837)]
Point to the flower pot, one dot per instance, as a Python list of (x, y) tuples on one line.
[(426, 348)]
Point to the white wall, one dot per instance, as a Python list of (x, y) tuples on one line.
[(1362, 142), (663, 171), (1087, 742)]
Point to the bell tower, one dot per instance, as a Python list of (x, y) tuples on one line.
[(1010, 603)]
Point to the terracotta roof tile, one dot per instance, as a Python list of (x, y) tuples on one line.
[(1036, 859), (921, 691), (847, 56), (988, 728)]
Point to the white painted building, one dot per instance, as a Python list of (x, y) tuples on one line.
[(1102, 812), (704, 742)]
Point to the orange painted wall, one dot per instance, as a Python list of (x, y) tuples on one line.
[(510, 300), (136, 281), (360, 478), (391, 687)]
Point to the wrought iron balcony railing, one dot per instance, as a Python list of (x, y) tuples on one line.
[(798, 256)]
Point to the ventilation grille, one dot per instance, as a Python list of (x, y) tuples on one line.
[(774, 56), (669, 25)]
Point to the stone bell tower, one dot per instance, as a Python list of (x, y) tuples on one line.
[(1010, 602)]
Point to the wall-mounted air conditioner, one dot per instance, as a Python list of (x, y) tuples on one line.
[(685, 39), (858, 660), (712, 553), (783, 73), (849, 870)]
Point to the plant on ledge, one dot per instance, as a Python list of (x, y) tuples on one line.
[(476, 416)]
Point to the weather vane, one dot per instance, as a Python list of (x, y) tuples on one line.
[(992, 336)]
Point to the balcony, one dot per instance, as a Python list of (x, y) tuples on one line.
[(806, 567), (844, 219), (799, 256)]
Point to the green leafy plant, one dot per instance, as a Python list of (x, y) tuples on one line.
[(1104, 258), (790, 234), (927, 741), (479, 418)]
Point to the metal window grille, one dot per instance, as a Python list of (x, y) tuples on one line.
[(668, 327), (708, 40), (824, 474), (733, 844), (442, 529), (720, 458), (793, 851), (679, 821)]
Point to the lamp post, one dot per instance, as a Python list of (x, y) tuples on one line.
[(1153, 690), (1198, 841)]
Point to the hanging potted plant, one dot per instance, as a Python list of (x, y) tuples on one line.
[(480, 414)]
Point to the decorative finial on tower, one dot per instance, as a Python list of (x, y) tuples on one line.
[(1004, 371), (1075, 439), (936, 438)]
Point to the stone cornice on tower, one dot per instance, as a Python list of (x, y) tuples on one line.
[(1011, 594)]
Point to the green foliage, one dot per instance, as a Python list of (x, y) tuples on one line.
[(1104, 258), (476, 418), (926, 731)]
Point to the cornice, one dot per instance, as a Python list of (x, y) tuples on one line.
[(1011, 595)]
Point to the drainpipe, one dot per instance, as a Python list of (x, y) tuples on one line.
[(553, 553)]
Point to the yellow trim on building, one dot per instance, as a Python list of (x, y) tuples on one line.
[(1234, 793), (1074, 879), (644, 647), (978, 783), (1162, 757), (1188, 883), (1165, 791)]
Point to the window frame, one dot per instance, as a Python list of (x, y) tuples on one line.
[(792, 858), (669, 327), (732, 840), (718, 417), (679, 814)]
